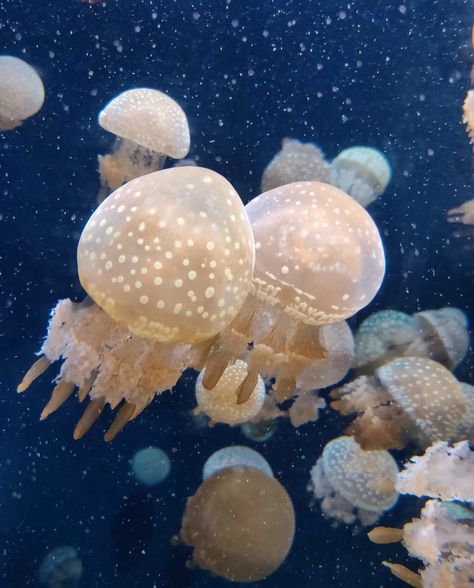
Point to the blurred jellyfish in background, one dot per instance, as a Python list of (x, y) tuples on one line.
[(150, 466), (407, 400), (468, 117), (21, 92), (61, 568), (235, 455), (259, 431), (319, 259), (362, 172), (155, 259), (240, 524), (149, 126), (221, 404), (296, 162), (466, 426), (354, 485)]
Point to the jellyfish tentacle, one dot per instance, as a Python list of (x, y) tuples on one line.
[(403, 573), (59, 395), (35, 371), (124, 415), (89, 416)]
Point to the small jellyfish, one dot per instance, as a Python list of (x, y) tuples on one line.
[(150, 126), (362, 172), (61, 568), (296, 162), (353, 484), (382, 336), (150, 466), (167, 260), (319, 259), (409, 399), (259, 431), (21, 92), (240, 523), (221, 404), (235, 455)]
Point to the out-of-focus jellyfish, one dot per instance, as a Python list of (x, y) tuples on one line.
[(149, 126), (468, 114), (61, 568), (168, 261), (362, 172), (259, 431), (235, 455), (463, 214), (353, 484), (21, 92), (151, 466), (465, 430), (221, 404), (408, 399), (296, 162), (305, 408), (319, 259), (240, 523), (443, 336), (382, 336)]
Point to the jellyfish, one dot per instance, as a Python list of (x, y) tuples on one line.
[(409, 399), (296, 162), (259, 431), (21, 92), (221, 402), (235, 455), (61, 568), (468, 114), (382, 336), (362, 172), (149, 126), (240, 524), (465, 429), (319, 259), (167, 263), (354, 485), (150, 466), (463, 214)]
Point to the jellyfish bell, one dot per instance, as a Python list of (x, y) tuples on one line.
[(167, 262), (61, 568), (150, 466), (240, 524), (296, 162), (21, 92), (354, 484), (409, 399), (235, 455), (259, 431), (150, 126), (362, 172)]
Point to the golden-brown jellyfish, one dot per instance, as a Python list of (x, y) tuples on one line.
[(240, 523), (319, 259), (354, 485), (409, 399), (21, 92), (468, 114), (167, 260), (150, 126), (296, 162), (464, 215), (362, 172)]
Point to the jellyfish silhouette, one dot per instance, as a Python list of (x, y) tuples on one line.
[(61, 568)]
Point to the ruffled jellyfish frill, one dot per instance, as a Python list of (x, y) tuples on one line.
[(353, 484), (168, 261), (319, 259), (240, 524), (21, 92), (61, 568), (296, 162), (409, 399), (149, 126), (362, 172), (150, 466)]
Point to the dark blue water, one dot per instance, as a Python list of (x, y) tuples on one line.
[(387, 74)]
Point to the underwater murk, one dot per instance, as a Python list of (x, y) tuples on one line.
[(236, 293)]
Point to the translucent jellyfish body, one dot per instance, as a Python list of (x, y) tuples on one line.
[(61, 568), (150, 466), (465, 430), (235, 455), (468, 114), (408, 399), (319, 259), (353, 484), (296, 162), (150, 126), (362, 172), (21, 92), (240, 524), (221, 402), (168, 260)]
